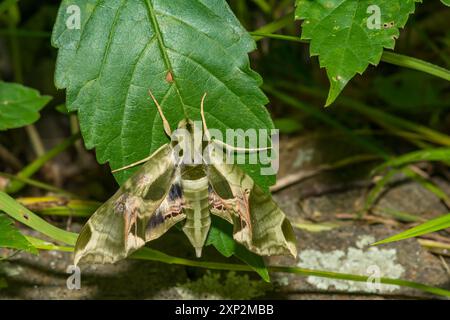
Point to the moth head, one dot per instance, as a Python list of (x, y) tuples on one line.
[(187, 142), (186, 124)]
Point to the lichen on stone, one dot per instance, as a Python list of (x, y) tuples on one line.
[(373, 262)]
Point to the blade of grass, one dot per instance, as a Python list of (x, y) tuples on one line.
[(376, 191), (436, 154), (376, 115), (28, 218), (430, 226), (402, 216), (430, 244), (323, 117), (33, 167), (38, 184), (155, 255), (59, 206), (17, 211), (363, 142)]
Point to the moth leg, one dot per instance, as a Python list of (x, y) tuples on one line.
[(243, 209), (238, 206), (173, 211), (221, 204), (221, 207)]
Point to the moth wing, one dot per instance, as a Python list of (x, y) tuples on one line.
[(259, 224), (169, 213), (118, 227)]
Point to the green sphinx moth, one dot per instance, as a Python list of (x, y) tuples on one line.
[(165, 191)]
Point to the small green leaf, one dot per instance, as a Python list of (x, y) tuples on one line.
[(433, 225), (346, 36), (179, 49), (19, 105), (446, 2), (220, 236), (11, 238)]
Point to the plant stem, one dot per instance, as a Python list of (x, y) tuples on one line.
[(32, 133), (60, 206), (38, 184), (273, 26), (389, 57), (36, 142), (415, 64)]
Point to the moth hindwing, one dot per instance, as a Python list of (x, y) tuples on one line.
[(165, 191)]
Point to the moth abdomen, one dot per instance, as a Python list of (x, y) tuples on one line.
[(198, 220)]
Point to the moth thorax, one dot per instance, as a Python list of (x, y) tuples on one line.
[(188, 142)]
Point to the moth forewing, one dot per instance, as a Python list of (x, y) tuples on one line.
[(121, 225), (259, 224)]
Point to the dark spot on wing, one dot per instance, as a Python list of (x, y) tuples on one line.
[(159, 187), (155, 220), (175, 192)]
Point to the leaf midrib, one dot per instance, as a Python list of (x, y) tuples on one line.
[(162, 48)]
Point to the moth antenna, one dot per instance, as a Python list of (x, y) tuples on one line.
[(165, 122), (132, 165), (202, 113), (223, 144), (238, 149)]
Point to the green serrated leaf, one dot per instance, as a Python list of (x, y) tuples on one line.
[(433, 225), (346, 35), (19, 105), (179, 49), (446, 2), (11, 238), (220, 236)]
